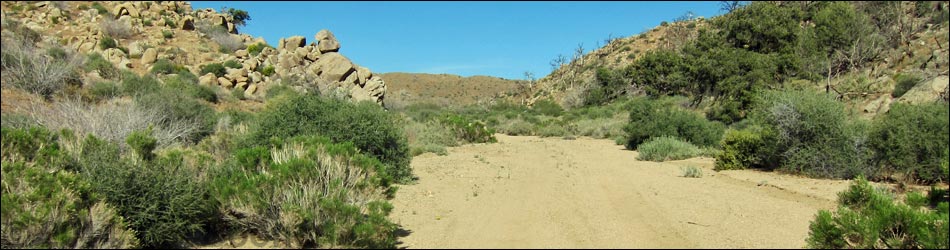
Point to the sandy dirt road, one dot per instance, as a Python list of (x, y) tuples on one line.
[(530, 192)]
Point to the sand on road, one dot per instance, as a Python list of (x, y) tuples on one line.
[(531, 192)]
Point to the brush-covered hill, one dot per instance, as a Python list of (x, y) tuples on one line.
[(870, 54)]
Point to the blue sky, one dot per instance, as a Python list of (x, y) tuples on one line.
[(502, 39)]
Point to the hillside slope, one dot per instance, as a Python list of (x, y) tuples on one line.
[(445, 89), (868, 88)]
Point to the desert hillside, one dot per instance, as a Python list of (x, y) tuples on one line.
[(445, 89), (905, 41)]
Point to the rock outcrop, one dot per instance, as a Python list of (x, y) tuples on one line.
[(171, 30)]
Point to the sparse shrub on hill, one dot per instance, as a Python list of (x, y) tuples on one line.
[(869, 217), (191, 88), (134, 85), (108, 43), (95, 62), (115, 28), (666, 148), (215, 68), (547, 107), (178, 108), (368, 126), (232, 64), (912, 139), (255, 49), (650, 118), (43, 72), (165, 66), (904, 82), (113, 121)]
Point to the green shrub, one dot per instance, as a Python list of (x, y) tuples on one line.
[(870, 218), (104, 90), (170, 22), (134, 85), (215, 68), (650, 118), (255, 49), (175, 107), (46, 204), (666, 148), (741, 149), (368, 126), (232, 64), (430, 136), (168, 34), (108, 43), (142, 144), (99, 8), (904, 82), (469, 130), (267, 70), (812, 133), (164, 66), (913, 139), (547, 107), (161, 199), (516, 127), (238, 93), (96, 62), (191, 88), (278, 90), (692, 172), (308, 192), (552, 129)]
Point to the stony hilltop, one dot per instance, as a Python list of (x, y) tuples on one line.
[(150, 31)]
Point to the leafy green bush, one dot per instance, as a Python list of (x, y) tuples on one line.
[(429, 136), (168, 34), (238, 93), (650, 118), (666, 148), (100, 9), (191, 88), (46, 204), (904, 82), (215, 68), (160, 198), (692, 172), (870, 218), (812, 133), (913, 139), (308, 192), (134, 85), (232, 64), (547, 107), (741, 149), (255, 49), (469, 130), (176, 107), (96, 62), (104, 90), (267, 70), (368, 126), (164, 66), (108, 43)]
